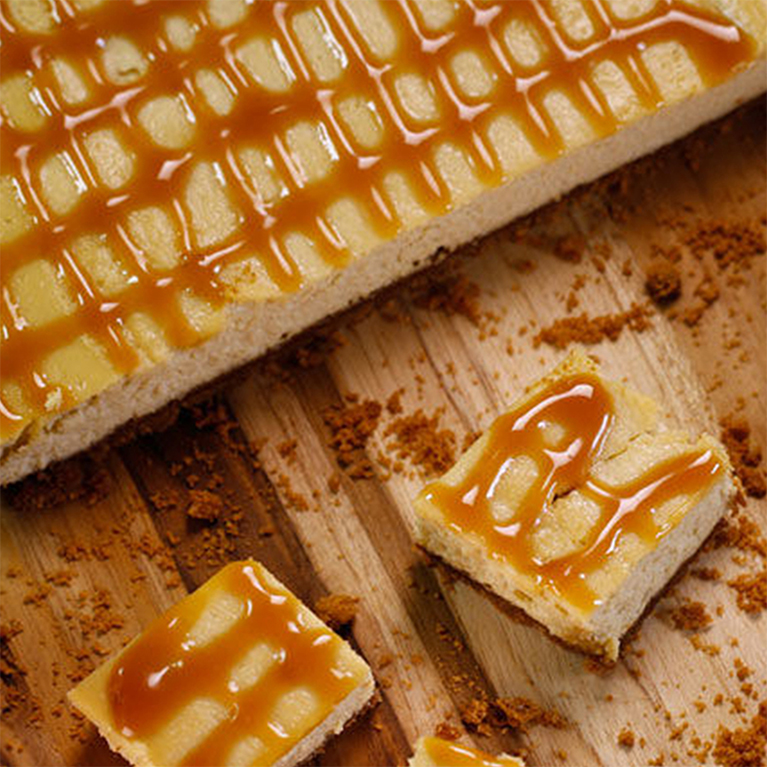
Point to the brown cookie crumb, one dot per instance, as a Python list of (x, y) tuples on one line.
[(337, 610), (751, 591), (744, 747), (570, 248), (626, 738), (77, 479), (690, 616), (591, 330), (418, 438), (447, 731), (746, 458), (740, 533), (663, 282), (205, 505), (509, 714), (350, 429), (452, 295)]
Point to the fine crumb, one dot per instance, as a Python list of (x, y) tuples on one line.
[(351, 427), (663, 282), (570, 248), (744, 747), (287, 450), (751, 591), (418, 438), (690, 616), (733, 244), (706, 573), (82, 478), (337, 610), (591, 330), (454, 295), (746, 458), (205, 505), (739, 532), (626, 738), (502, 714), (447, 731)]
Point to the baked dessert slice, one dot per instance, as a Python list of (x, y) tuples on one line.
[(185, 186), (437, 752), (577, 506), (238, 673)]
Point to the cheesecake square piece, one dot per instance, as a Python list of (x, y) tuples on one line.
[(239, 673), (577, 505), (436, 752)]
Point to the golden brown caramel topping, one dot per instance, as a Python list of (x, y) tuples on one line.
[(205, 121), (582, 409), (166, 669), (446, 754)]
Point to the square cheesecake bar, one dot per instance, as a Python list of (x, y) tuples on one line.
[(238, 673), (577, 506), (437, 752)]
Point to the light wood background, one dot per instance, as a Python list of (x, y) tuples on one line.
[(359, 541)]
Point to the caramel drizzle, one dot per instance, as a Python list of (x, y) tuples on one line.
[(718, 47), (445, 754), (581, 405), (162, 671)]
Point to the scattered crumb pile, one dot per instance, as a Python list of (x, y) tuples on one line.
[(81, 478), (721, 251), (452, 295), (733, 244), (205, 505), (351, 426), (418, 438), (591, 330), (691, 616), (751, 591), (740, 532), (744, 747), (746, 458), (309, 350), (484, 716), (15, 695), (337, 610)]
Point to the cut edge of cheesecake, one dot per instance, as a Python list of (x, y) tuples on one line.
[(89, 697), (251, 329), (599, 631)]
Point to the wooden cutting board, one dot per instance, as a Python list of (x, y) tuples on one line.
[(81, 577)]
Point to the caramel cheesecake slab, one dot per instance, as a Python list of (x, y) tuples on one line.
[(186, 185), (437, 752), (239, 673), (577, 506)]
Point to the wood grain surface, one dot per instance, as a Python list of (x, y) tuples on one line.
[(81, 577)]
